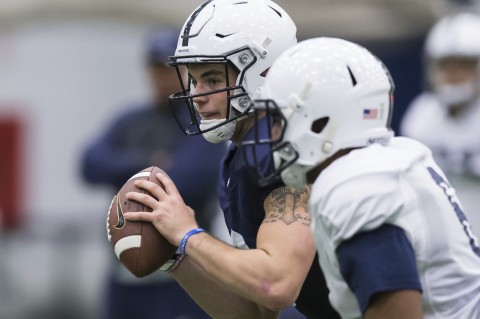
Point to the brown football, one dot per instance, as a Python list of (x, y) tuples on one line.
[(138, 245)]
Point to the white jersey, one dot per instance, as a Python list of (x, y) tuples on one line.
[(455, 142), (398, 184)]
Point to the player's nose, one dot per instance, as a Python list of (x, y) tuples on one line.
[(199, 100)]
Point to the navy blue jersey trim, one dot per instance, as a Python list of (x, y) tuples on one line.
[(378, 261)]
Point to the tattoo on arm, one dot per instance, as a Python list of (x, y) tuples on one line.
[(288, 205)]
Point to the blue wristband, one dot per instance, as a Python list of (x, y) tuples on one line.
[(183, 243)]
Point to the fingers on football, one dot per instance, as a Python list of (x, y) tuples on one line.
[(139, 216), (152, 188), (144, 199), (170, 187)]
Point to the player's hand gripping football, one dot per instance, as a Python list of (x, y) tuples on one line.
[(170, 215)]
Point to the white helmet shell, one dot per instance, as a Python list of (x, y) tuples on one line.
[(219, 27), (334, 79)]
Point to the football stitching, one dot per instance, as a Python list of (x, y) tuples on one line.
[(109, 234)]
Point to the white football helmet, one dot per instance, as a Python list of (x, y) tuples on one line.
[(245, 34), (453, 37), (327, 94)]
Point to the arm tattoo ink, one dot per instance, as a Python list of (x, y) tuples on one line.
[(288, 205)]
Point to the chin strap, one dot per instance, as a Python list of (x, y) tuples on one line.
[(221, 133)]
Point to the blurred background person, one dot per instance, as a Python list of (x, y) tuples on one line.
[(143, 136), (446, 116)]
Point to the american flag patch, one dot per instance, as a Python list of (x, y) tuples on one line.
[(370, 114)]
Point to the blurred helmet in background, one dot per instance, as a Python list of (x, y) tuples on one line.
[(452, 52)]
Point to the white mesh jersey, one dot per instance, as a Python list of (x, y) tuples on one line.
[(455, 142), (398, 184)]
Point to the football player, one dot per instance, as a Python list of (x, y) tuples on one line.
[(392, 237), (445, 116), (227, 48)]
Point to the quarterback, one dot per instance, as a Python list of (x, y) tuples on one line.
[(392, 237), (226, 47)]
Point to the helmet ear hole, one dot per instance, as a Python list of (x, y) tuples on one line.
[(319, 124)]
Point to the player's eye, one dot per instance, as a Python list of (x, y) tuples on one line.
[(214, 81)]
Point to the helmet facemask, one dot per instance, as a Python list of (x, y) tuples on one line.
[(281, 154), (455, 80), (238, 101)]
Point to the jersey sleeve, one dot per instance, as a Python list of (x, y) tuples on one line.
[(377, 261), (360, 203)]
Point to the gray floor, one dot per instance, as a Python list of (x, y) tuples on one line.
[(52, 272)]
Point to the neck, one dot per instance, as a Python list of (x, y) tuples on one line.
[(315, 172), (243, 126)]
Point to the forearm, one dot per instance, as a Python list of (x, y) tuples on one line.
[(254, 274), (270, 275), (213, 297)]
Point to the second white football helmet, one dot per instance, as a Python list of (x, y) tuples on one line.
[(328, 94)]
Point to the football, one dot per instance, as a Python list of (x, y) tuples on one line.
[(138, 245)]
